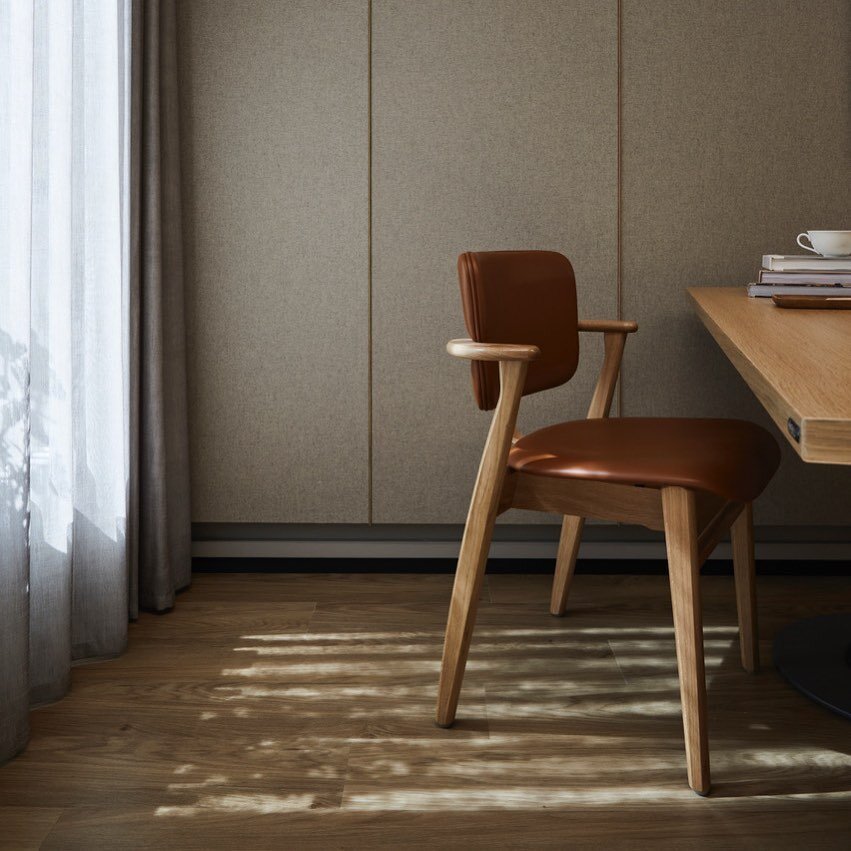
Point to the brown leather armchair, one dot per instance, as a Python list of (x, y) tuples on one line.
[(693, 478)]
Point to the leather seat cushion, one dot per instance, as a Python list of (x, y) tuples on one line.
[(731, 458)]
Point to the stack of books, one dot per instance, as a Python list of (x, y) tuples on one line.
[(807, 275)]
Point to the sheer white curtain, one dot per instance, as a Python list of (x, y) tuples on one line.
[(65, 269)]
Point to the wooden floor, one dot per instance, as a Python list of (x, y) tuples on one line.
[(293, 711)]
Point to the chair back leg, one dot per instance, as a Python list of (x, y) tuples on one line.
[(678, 505), (568, 547), (741, 535)]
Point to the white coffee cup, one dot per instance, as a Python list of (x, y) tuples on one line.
[(828, 243)]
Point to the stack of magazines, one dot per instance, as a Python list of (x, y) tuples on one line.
[(794, 274)]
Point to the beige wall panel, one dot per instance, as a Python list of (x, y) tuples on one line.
[(275, 145), (494, 127), (736, 136)]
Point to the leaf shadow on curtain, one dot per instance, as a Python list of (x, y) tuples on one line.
[(14, 562)]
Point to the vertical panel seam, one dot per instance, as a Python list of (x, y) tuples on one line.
[(619, 181), (369, 485)]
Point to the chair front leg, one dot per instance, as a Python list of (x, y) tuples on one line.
[(473, 556), (741, 535), (469, 576), (568, 547), (680, 516)]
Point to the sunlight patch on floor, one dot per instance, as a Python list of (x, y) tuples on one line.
[(788, 757), (246, 802), (560, 709), (568, 630), (324, 669), (512, 798), (590, 766), (342, 636), (336, 650), (555, 643), (325, 692), (214, 780)]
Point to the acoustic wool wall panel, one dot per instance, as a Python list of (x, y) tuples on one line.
[(736, 136), (275, 150), (494, 127)]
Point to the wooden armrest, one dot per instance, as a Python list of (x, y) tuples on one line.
[(622, 326), (472, 350)]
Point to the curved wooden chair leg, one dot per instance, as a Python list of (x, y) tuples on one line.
[(684, 573), (476, 542), (741, 535), (462, 618), (568, 547)]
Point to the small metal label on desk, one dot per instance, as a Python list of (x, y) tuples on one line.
[(794, 430)]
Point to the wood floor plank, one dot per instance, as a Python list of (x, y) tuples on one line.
[(321, 587), (24, 828), (134, 769), (268, 823), (263, 716), (220, 621), (652, 590)]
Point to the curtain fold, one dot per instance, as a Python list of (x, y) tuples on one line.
[(94, 485), (163, 450)]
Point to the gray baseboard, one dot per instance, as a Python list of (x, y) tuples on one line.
[(355, 541)]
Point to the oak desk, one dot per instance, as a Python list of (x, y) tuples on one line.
[(798, 364)]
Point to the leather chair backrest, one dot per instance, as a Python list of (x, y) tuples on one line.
[(520, 297)]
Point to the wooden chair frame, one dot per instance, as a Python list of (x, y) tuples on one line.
[(693, 521)]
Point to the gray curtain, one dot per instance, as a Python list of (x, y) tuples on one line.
[(94, 487), (160, 477)]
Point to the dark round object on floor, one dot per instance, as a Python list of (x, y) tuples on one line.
[(815, 656)]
